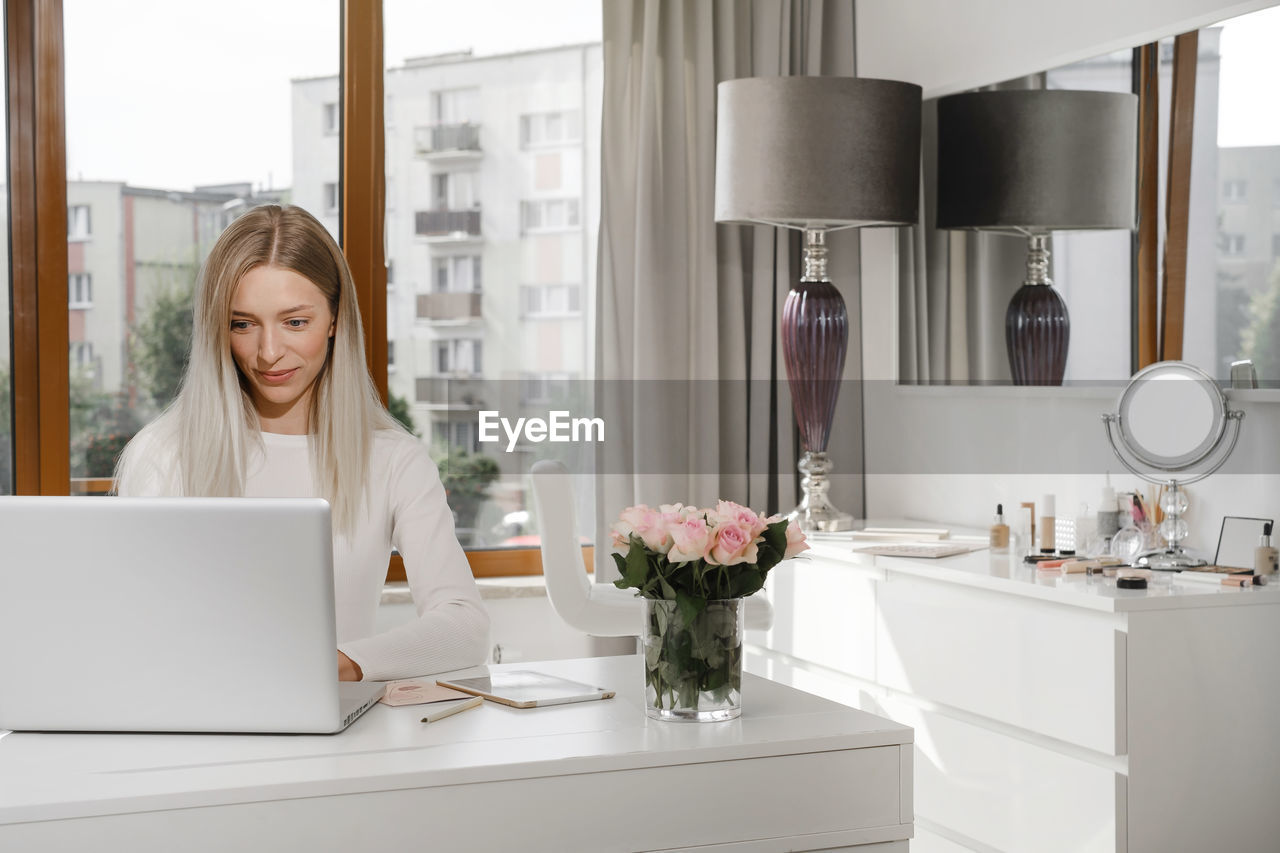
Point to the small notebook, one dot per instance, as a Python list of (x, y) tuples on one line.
[(930, 550)]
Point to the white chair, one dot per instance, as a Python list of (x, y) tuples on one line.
[(597, 609)]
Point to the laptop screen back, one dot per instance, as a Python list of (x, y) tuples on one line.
[(167, 614)]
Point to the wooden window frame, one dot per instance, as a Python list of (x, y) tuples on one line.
[(36, 111)]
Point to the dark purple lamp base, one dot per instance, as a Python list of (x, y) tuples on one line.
[(1036, 332), (815, 338)]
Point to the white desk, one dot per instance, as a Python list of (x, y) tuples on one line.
[(1054, 714), (794, 772)]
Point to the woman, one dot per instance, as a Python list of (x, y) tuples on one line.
[(277, 402)]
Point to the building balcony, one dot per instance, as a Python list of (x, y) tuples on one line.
[(450, 393), (443, 142), (447, 226), (448, 307)]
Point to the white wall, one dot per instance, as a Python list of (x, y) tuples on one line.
[(949, 454), (945, 46)]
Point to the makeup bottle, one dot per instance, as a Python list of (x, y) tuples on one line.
[(1084, 530), (1265, 555), (1048, 525), (999, 532), (1108, 513)]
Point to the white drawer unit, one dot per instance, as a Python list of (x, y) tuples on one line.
[(1051, 714), (1044, 667)]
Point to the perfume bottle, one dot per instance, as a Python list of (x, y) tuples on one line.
[(999, 532), (1265, 555)]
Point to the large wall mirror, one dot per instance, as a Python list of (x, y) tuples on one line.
[(954, 286)]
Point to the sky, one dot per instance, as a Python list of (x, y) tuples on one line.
[(213, 106), (1250, 76)]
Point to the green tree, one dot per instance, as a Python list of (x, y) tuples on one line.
[(161, 341), (100, 424), (398, 408), (1260, 341), (466, 477)]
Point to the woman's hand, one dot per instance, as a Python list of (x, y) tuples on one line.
[(348, 670)]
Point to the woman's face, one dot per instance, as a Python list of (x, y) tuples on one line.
[(280, 330)]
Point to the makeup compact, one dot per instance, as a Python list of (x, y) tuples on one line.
[(1131, 583)]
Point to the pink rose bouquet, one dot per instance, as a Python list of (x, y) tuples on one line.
[(691, 556), (687, 561)]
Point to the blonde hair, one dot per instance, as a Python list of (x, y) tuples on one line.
[(213, 421)]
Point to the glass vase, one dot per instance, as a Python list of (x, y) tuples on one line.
[(693, 662)]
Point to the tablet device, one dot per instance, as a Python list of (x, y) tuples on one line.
[(522, 688)]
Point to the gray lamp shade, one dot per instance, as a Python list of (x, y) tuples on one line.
[(817, 151), (1037, 160)]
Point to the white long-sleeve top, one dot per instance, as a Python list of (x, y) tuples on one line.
[(405, 509)]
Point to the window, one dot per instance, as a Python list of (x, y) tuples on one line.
[(80, 290), (454, 435), (1232, 244), (1231, 280), (459, 356), (391, 355), (6, 295), (543, 388), (537, 106), (550, 299), (555, 128), (79, 225), (82, 356), (549, 214), (455, 106), (158, 196), (455, 190), (460, 274)]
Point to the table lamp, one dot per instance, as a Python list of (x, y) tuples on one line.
[(817, 154), (1028, 162)]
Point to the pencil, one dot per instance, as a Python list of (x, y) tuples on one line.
[(452, 708)]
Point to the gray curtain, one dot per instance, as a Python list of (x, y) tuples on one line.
[(954, 286), (691, 378)]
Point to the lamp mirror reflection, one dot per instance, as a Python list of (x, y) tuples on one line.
[(955, 286)]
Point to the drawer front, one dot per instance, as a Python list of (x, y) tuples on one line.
[(1054, 670), (1005, 793), (824, 613)]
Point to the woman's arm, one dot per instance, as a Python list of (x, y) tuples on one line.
[(451, 630)]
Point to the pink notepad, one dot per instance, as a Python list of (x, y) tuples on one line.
[(413, 691)]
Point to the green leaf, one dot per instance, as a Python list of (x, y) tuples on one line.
[(690, 606), (621, 563), (637, 565), (775, 536)]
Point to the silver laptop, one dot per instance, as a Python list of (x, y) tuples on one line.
[(170, 614)]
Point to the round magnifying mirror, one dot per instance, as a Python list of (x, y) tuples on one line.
[(1172, 416), (1170, 427)]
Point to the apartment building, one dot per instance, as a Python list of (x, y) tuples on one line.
[(492, 188)]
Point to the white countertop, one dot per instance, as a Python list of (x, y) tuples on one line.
[(57, 776), (1007, 573)]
